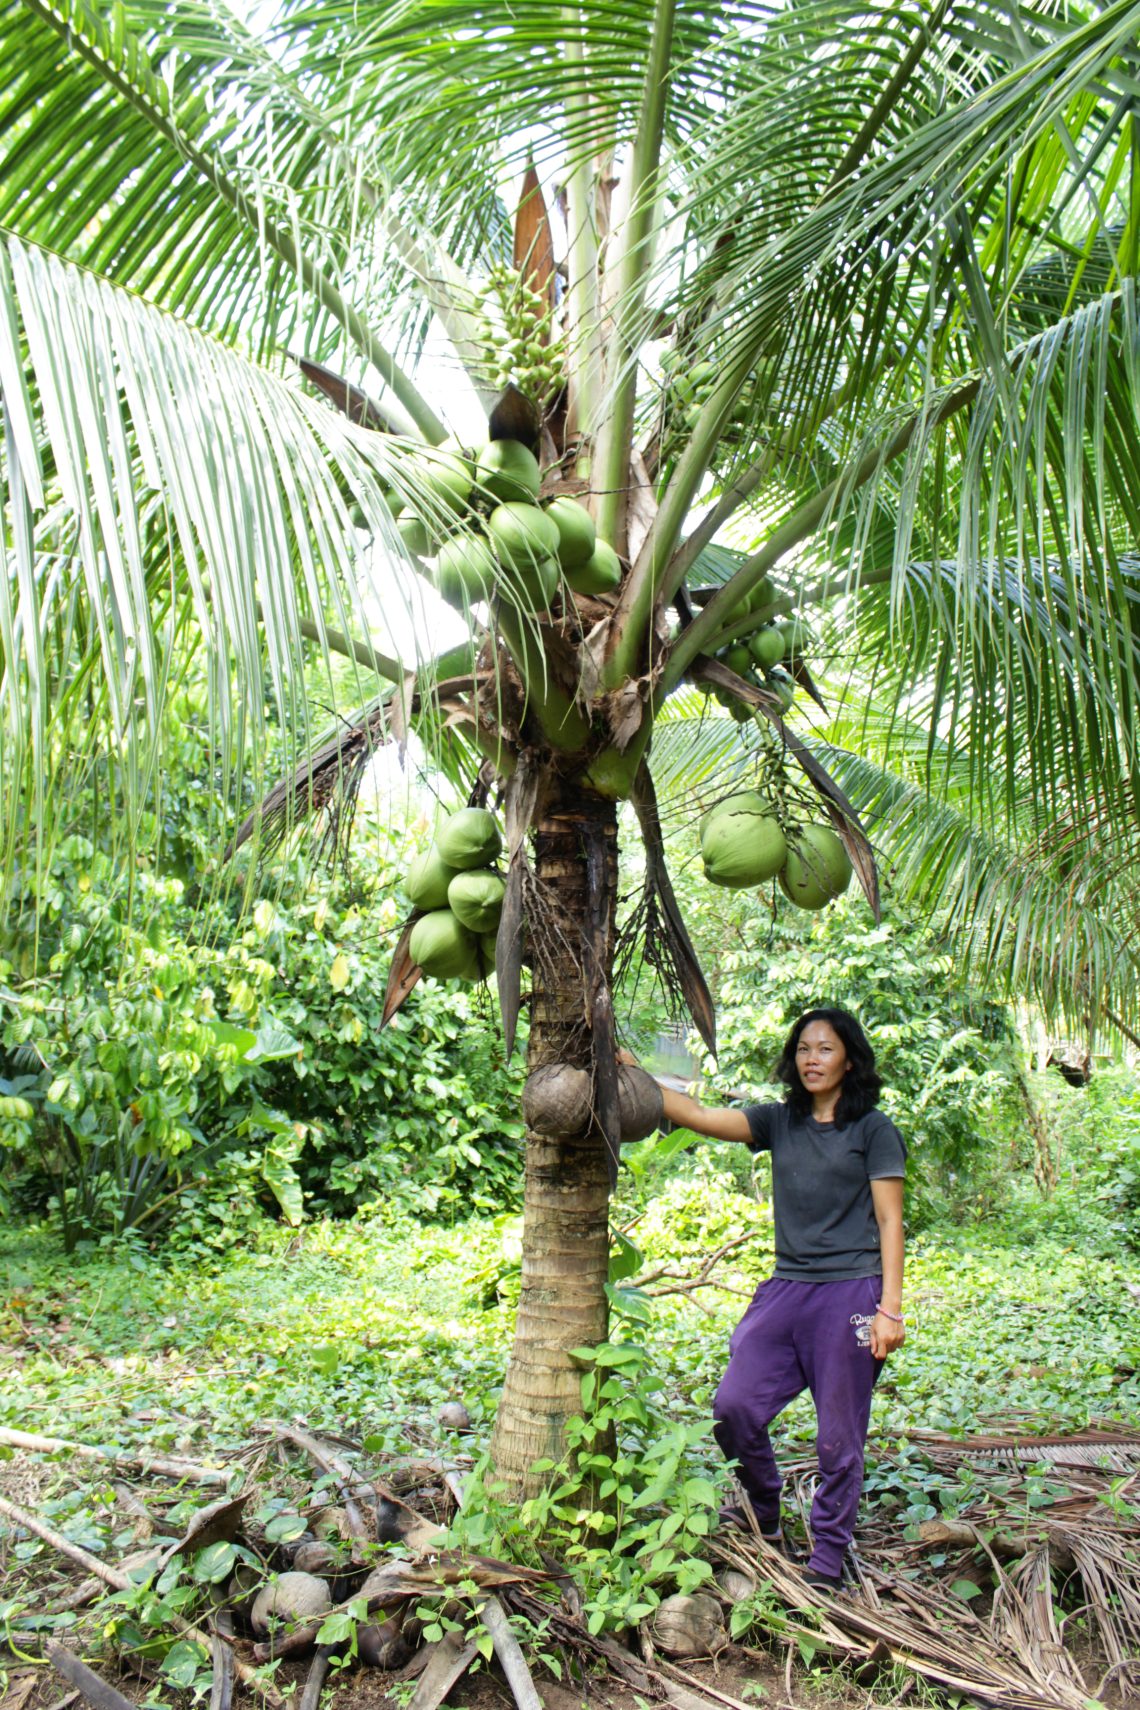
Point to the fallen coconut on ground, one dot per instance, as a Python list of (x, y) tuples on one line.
[(290, 1598), (382, 1645), (688, 1626), (736, 1585), (330, 1522), (319, 1557)]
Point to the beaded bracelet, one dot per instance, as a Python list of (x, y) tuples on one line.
[(895, 1317)]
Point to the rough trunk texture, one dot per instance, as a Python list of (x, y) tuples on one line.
[(566, 1209)]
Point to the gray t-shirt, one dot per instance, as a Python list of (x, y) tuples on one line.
[(821, 1189)]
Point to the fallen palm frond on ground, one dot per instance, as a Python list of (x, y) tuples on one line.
[(987, 1603)]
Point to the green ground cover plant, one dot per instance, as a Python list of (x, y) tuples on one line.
[(365, 1327), (369, 1325)]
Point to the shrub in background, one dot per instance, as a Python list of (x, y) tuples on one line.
[(192, 1069)]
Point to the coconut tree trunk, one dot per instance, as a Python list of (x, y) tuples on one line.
[(566, 1208)]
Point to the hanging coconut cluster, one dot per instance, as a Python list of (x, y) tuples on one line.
[(747, 840), (519, 337), (460, 894), (688, 383), (492, 539), (764, 654)]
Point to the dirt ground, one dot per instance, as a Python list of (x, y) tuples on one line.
[(753, 1679), (825, 1660)]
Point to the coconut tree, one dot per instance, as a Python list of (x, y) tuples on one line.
[(823, 313)]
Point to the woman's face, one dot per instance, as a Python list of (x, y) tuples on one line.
[(821, 1060)]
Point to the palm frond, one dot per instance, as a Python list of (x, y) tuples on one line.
[(1047, 912), (163, 494)]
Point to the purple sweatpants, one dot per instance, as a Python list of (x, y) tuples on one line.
[(796, 1336)]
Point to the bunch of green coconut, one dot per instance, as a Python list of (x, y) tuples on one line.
[(689, 384), (743, 844), (460, 894), (491, 537), (761, 655)]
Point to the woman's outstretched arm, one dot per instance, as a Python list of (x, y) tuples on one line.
[(685, 1112)]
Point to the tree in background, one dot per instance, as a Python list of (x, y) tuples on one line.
[(855, 288)]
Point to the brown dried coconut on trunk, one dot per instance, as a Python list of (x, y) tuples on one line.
[(557, 1100), (640, 1103)]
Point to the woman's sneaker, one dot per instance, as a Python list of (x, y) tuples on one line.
[(822, 1581)]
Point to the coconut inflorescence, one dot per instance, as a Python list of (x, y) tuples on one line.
[(459, 895)]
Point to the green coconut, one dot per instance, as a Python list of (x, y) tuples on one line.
[(766, 647), (470, 838), (818, 867), (741, 842), (447, 476), (535, 586), (427, 879), (782, 687), (475, 898), (413, 532), (762, 594), (442, 946), (796, 636), (487, 949), (600, 574), (576, 536), (507, 470), (522, 535), (739, 659), (465, 570)]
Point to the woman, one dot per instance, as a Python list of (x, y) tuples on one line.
[(832, 1312)]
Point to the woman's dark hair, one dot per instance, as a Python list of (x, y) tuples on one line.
[(861, 1084)]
